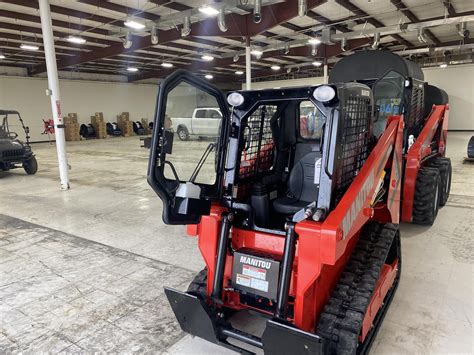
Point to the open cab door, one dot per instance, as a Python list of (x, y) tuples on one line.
[(186, 170)]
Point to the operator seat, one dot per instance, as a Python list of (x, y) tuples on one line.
[(301, 187)]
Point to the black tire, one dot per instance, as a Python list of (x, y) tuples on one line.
[(427, 196), (470, 148), (445, 171), (199, 284), (183, 133), (30, 166)]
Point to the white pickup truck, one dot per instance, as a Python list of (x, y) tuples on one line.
[(204, 122)]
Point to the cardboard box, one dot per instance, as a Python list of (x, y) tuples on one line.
[(70, 118), (124, 123), (99, 125), (71, 131)]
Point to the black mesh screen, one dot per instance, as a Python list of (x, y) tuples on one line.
[(258, 153), (416, 119), (356, 118)]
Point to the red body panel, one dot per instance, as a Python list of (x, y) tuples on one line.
[(322, 248), (435, 130)]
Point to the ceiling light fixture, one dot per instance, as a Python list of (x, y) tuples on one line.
[(275, 67), (317, 63), (256, 52), (208, 76), (76, 39), (134, 24), (207, 57), (239, 72), (2, 56), (444, 65), (29, 47), (167, 65), (132, 69), (314, 41), (208, 10)]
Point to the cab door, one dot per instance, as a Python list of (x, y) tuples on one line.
[(187, 175)]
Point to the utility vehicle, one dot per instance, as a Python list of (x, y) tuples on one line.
[(204, 122), (296, 215), (15, 153), (399, 89)]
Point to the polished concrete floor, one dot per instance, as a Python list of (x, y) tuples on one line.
[(83, 270)]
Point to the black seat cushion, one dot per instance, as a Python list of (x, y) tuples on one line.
[(302, 190)]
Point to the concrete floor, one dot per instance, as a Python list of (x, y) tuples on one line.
[(83, 270)]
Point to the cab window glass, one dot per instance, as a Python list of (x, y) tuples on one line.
[(311, 121)]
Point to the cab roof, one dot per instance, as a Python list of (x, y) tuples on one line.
[(366, 65)]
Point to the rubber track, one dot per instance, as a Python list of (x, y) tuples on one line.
[(342, 317)]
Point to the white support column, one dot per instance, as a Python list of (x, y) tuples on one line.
[(248, 66), (325, 75), (53, 83)]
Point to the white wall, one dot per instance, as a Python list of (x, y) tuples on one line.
[(458, 82), (27, 95)]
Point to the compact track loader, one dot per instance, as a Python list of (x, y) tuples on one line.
[(296, 209), (399, 89)]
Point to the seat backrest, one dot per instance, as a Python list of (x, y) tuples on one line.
[(301, 182)]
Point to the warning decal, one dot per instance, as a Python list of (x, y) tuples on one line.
[(252, 282), (254, 272)]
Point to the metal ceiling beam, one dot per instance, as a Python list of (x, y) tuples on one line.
[(449, 7), (127, 11), (374, 22), (413, 18)]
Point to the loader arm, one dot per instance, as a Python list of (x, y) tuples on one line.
[(436, 124)]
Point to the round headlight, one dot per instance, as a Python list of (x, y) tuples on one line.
[(324, 93), (235, 99)]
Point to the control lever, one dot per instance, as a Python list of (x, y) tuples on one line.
[(309, 211)]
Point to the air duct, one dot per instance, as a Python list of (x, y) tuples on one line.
[(421, 35), (462, 30), (154, 35), (314, 51), (221, 20), (257, 11), (286, 50), (344, 44), (186, 30), (375, 44), (302, 8), (127, 41), (235, 58)]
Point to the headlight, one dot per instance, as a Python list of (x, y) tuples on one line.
[(235, 99), (324, 93)]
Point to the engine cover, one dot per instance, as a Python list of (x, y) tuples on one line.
[(255, 274)]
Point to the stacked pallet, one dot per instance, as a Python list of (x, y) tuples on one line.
[(71, 130), (124, 123), (99, 125), (145, 125)]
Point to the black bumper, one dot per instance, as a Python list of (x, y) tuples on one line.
[(197, 318)]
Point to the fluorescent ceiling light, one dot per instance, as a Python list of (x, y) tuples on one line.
[(239, 72), (167, 65), (275, 67), (256, 52), (444, 65), (75, 39), (132, 69), (317, 63), (314, 41), (208, 76), (29, 47), (207, 58), (2, 56), (208, 10), (134, 24)]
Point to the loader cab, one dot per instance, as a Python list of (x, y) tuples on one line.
[(398, 86), (278, 151)]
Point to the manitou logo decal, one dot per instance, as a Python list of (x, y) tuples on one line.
[(357, 205), (255, 262)]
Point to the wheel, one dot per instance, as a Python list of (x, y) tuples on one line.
[(445, 171), (183, 133), (427, 196), (30, 166), (470, 148), (199, 284)]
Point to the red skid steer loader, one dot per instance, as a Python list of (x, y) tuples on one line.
[(296, 213)]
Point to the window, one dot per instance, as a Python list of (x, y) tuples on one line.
[(311, 121), (201, 113), (214, 114)]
